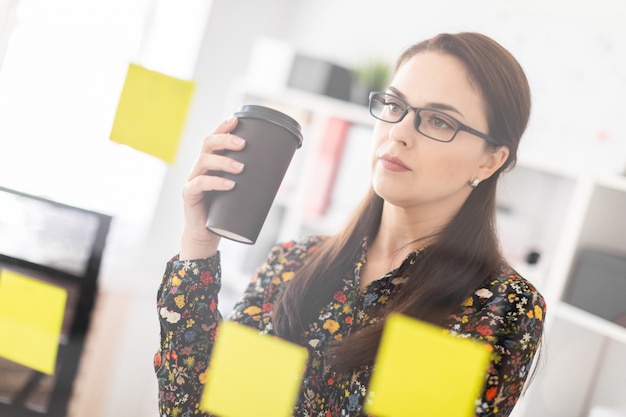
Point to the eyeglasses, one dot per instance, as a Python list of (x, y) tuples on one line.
[(433, 124)]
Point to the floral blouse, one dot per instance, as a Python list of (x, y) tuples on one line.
[(507, 312)]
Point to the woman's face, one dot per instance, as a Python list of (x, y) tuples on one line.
[(411, 170)]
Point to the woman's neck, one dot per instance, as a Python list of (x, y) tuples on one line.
[(399, 234), (403, 231)]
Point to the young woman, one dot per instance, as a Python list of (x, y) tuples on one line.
[(422, 243)]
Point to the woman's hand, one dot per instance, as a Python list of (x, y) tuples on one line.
[(196, 241)]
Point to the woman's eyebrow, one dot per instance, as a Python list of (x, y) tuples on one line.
[(432, 105), (442, 106), (397, 92)]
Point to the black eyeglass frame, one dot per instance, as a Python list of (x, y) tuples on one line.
[(418, 119)]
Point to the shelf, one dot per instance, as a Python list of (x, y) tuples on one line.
[(311, 102), (591, 322), (603, 227), (614, 182)]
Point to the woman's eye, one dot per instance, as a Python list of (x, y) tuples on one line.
[(440, 122), (394, 107)]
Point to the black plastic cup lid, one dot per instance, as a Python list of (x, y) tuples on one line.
[(271, 115)]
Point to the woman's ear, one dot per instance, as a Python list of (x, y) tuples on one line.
[(494, 159)]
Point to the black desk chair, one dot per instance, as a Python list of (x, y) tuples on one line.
[(61, 245)]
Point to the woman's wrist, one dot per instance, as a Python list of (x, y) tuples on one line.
[(198, 245)]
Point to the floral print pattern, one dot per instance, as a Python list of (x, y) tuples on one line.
[(507, 312)]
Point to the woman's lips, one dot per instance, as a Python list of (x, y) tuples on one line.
[(393, 163)]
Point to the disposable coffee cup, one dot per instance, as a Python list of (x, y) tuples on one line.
[(272, 138)]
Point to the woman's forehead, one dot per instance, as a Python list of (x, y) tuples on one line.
[(435, 77)]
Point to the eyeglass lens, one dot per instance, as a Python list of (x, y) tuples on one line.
[(432, 123)]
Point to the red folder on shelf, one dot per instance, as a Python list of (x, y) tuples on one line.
[(326, 164)]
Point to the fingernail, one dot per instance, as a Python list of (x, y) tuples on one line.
[(237, 165), (229, 183), (238, 141)]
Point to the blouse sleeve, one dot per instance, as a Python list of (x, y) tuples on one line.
[(187, 307), (187, 303), (255, 306), (512, 320)]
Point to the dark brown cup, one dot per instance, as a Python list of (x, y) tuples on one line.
[(272, 138)]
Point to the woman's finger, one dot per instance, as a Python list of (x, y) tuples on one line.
[(209, 163), (203, 183), (221, 138)]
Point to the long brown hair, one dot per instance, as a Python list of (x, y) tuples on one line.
[(464, 253)]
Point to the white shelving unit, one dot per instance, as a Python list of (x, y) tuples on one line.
[(585, 364), (555, 212)]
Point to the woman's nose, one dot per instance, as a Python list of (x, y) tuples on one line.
[(404, 131)]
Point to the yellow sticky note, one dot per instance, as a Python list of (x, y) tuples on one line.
[(151, 112), (31, 316), (252, 374), (422, 371)]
